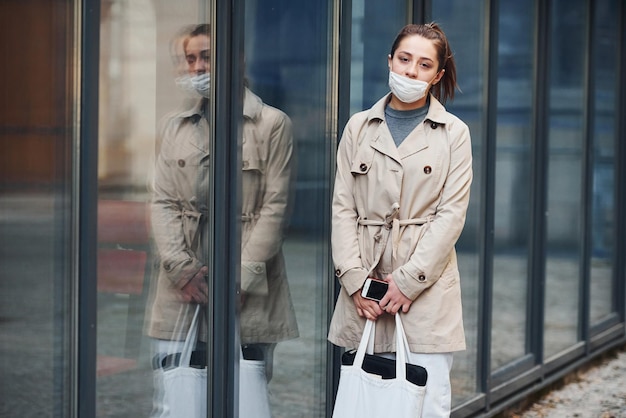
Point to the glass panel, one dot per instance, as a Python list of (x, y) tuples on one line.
[(153, 197), (604, 137), (464, 24), (512, 182), (564, 175), (36, 143), (370, 47), (288, 65)]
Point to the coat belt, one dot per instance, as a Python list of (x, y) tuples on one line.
[(393, 224)]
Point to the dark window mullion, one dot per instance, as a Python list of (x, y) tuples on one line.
[(86, 194), (225, 253), (541, 111)]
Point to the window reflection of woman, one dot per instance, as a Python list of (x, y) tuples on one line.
[(181, 215)]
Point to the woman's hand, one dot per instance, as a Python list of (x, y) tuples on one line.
[(370, 309), (196, 290), (394, 300)]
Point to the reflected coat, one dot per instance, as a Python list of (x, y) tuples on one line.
[(400, 210), (181, 220)]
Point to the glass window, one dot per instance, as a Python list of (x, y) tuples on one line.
[(463, 23), (153, 199), (512, 182), (289, 67), (36, 261), (564, 189), (370, 48), (605, 45)]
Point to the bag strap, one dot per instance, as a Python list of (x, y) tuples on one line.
[(367, 343), (402, 349), (363, 345), (190, 340)]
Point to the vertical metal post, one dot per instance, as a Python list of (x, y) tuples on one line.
[(540, 129), (341, 18), (226, 117), (85, 201), (619, 233), (586, 203), (487, 197)]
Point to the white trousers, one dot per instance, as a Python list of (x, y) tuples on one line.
[(438, 399)]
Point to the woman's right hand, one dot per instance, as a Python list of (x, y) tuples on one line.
[(370, 309), (197, 290)]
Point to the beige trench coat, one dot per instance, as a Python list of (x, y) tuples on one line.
[(180, 220), (405, 205)]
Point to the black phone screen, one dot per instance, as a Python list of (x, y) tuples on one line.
[(376, 290)]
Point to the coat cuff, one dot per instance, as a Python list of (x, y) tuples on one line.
[(411, 284), (180, 271), (352, 279), (254, 278)]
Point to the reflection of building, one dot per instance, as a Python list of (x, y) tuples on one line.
[(539, 257)]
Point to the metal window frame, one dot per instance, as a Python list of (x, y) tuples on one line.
[(225, 254), (228, 25), (83, 311)]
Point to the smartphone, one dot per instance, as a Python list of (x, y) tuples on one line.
[(374, 289)]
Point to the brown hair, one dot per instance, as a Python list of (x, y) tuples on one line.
[(443, 90)]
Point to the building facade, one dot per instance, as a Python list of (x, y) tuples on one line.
[(87, 85)]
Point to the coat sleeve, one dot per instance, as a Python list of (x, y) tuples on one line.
[(176, 259), (345, 246), (266, 238), (433, 251)]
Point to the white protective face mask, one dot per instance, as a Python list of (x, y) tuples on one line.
[(407, 90), (202, 84), (184, 84)]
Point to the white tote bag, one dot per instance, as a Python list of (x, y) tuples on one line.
[(363, 395), (253, 396), (185, 387)]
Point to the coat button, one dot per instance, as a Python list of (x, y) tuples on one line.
[(434, 125), (258, 269), (181, 163), (427, 169), (337, 272), (421, 278), (363, 167)]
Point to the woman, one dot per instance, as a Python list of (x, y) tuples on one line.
[(404, 170), (180, 214)]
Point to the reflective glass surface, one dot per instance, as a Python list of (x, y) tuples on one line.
[(153, 198), (512, 182), (288, 67), (370, 47), (464, 23), (36, 262), (564, 182), (604, 141)]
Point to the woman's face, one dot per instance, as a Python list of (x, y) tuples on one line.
[(198, 54), (416, 57)]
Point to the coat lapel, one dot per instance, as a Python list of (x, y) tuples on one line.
[(383, 142), (415, 142)]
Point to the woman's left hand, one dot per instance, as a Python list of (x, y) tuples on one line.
[(394, 300)]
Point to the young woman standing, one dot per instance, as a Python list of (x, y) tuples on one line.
[(404, 170)]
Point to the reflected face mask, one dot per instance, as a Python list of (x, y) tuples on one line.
[(184, 84), (202, 84)]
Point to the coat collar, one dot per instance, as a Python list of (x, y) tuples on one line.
[(436, 112), (383, 142), (252, 107)]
